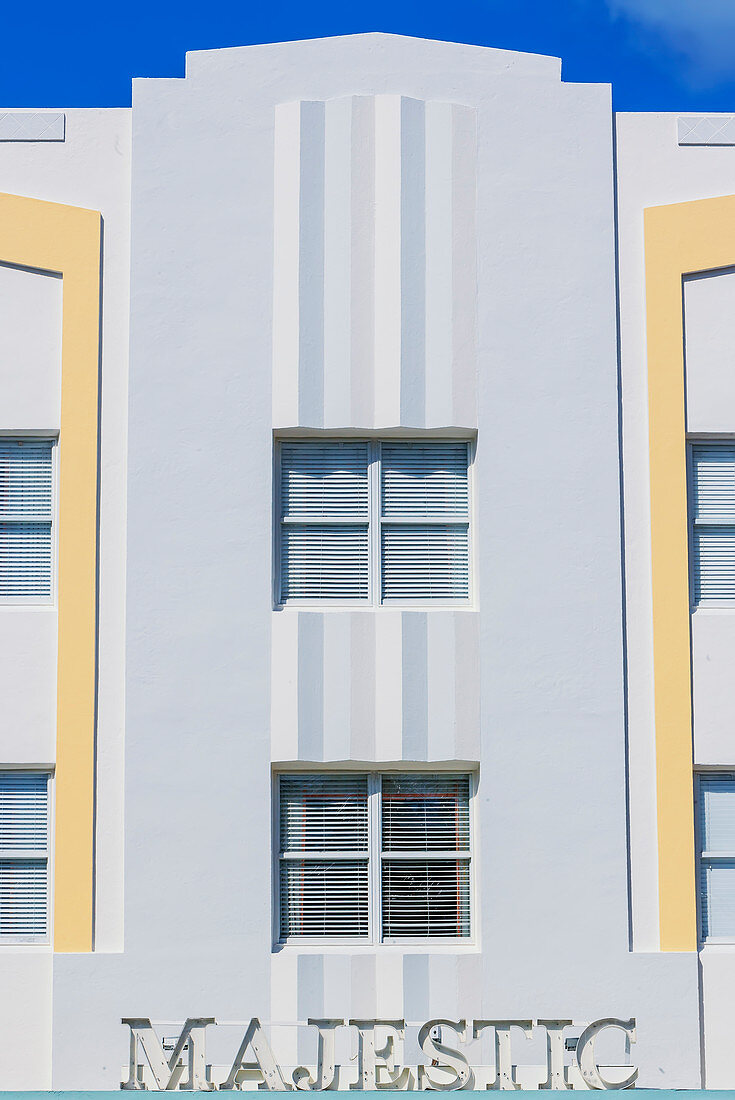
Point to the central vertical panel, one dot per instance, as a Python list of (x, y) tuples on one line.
[(375, 264)]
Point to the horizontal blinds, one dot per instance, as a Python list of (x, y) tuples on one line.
[(425, 813), (323, 813), (426, 555), (425, 562), (717, 844), (25, 560), (424, 481), (320, 813), (324, 481), (717, 812), (23, 897), (23, 812), (324, 491), (717, 891), (324, 898), (416, 523), (25, 479), (25, 519), (426, 898), (23, 830), (324, 563), (714, 481), (713, 506), (714, 563)]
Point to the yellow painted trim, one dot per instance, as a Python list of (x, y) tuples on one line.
[(67, 239), (680, 239)]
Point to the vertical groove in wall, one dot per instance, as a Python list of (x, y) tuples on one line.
[(387, 362), (363, 999), (337, 685), (413, 263), (311, 685), (416, 987), (375, 280), (309, 1002), (362, 198), (338, 145), (415, 695), (286, 214), (439, 229), (362, 686), (464, 265), (311, 266), (467, 684)]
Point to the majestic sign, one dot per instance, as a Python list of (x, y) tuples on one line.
[(375, 1065)]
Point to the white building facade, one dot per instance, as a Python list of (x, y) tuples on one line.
[(367, 580)]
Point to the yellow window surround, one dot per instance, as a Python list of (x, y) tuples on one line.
[(66, 239)]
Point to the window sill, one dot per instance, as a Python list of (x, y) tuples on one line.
[(16, 945), (355, 947), (326, 608)]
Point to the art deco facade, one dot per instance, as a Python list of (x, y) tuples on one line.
[(367, 564)]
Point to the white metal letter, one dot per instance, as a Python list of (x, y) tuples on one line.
[(163, 1069), (254, 1037), (586, 1054), (446, 1056), (504, 1078), (555, 1077), (372, 1058), (325, 1067)]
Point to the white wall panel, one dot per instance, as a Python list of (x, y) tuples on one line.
[(28, 685), (284, 686), (25, 1020), (718, 1005), (709, 332), (30, 350), (713, 661)]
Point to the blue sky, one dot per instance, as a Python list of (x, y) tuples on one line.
[(671, 55)]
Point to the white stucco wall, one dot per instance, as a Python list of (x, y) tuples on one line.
[(497, 317), (90, 168), (529, 681), (652, 170)]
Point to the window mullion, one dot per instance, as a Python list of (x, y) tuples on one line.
[(375, 860), (374, 534)]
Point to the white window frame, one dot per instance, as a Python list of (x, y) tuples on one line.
[(376, 856), (45, 939), (375, 523), (50, 600), (692, 523)]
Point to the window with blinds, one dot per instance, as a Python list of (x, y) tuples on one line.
[(716, 814), (713, 523), (374, 522), (26, 516), (24, 844), (374, 858), (425, 855)]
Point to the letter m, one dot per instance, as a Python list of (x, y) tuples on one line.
[(166, 1072)]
